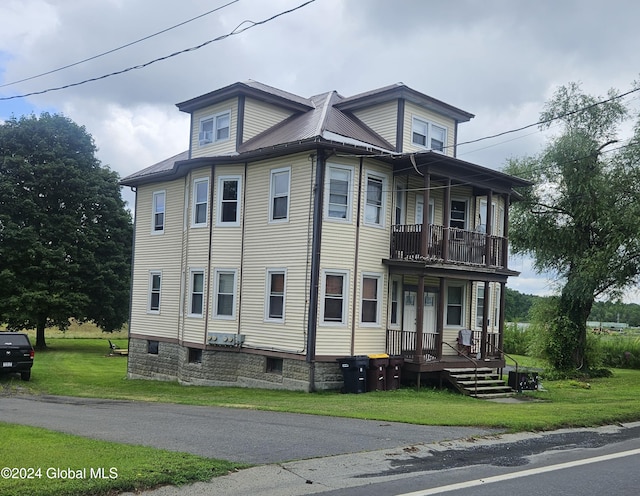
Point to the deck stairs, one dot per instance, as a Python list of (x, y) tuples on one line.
[(483, 383)]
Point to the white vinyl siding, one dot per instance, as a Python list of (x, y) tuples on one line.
[(260, 116), (382, 118)]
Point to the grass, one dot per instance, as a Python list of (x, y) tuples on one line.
[(77, 364), (62, 464)]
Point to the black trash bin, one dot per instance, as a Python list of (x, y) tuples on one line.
[(523, 381), (377, 374), (354, 373), (394, 372)]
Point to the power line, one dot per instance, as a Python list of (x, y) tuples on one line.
[(119, 48), (237, 30)]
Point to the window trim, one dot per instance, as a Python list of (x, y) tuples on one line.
[(462, 305), (345, 297), (378, 276), (480, 316), (202, 140), (267, 304), (466, 212), (220, 200), (216, 285), (399, 302), (272, 196), (383, 198), (152, 274), (154, 212), (429, 125), (192, 273), (194, 203), (327, 193)]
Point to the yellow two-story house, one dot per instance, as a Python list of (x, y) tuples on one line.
[(295, 231)]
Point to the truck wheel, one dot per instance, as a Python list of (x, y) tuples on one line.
[(25, 376)]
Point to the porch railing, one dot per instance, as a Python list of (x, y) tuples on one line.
[(466, 247), (403, 343)]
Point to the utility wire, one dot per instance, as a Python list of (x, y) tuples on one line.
[(237, 30), (119, 48)]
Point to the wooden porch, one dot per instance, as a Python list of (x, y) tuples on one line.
[(431, 355), (447, 245)]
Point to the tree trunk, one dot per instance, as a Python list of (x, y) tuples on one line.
[(576, 302), (40, 341)]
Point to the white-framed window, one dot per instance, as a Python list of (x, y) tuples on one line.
[(394, 303), (428, 135), (229, 196), (338, 193), (480, 303), (370, 299), (335, 284), (482, 218), (275, 291), (200, 210), (196, 292), (496, 306), (458, 217), (455, 305), (155, 286), (280, 189), (215, 128), (158, 208), (224, 294), (420, 210), (375, 204)]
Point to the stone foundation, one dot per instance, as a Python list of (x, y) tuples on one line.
[(227, 368)]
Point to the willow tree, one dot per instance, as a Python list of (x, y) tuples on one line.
[(580, 218), (65, 234)]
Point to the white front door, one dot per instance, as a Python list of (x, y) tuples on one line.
[(409, 312)]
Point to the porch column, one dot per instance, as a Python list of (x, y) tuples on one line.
[(419, 354), (503, 299), (485, 321), (505, 237), (447, 221), (440, 318), (424, 248), (488, 245)]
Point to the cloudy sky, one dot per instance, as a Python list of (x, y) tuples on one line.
[(498, 59)]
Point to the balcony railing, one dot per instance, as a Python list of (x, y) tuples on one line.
[(465, 247)]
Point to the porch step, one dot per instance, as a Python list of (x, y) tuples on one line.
[(480, 383)]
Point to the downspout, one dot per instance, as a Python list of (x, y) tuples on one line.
[(209, 256), (355, 262), (133, 251), (315, 268), (244, 196)]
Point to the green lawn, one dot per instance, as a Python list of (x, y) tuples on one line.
[(81, 367)]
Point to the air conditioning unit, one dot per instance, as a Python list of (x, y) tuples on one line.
[(225, 339), (205, 137)]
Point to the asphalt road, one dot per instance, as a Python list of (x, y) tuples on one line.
[(250, 436)]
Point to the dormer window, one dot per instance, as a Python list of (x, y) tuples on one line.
[(215, 128), (425, 134)]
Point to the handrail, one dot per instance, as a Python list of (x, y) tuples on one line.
[(475, 367), (510, 358)]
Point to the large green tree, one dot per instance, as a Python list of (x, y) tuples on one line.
[(65, 233), (580, 219)]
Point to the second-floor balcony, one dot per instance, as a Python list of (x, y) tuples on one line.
[(447, 245)]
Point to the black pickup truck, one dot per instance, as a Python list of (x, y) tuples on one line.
[(16, 354)]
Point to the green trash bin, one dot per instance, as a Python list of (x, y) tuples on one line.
[(394, 371), (354, 373), (377, 373)]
